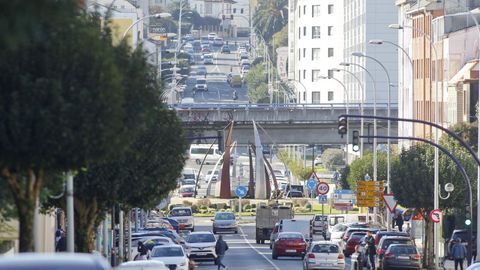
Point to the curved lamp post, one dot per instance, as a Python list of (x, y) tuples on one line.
[(157, 15)]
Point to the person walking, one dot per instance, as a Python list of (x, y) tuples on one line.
[(61, 243), (399, 222), (371, 249), (220, 248), (142, 252), (459, 252)]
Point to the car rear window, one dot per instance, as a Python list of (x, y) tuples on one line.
[(404, 250), (200, 238), (325, 248), (167, 252), (290, 236), (320, 218), (389, 242), (201, 81), (181, 212)]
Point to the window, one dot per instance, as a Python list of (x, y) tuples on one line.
[(241, 10), (330, 9), (315, 75), (315, 32), (208, 8), (299, 32), (299, 75), (330, 73), (330, 95), (315, 54), (234, 10), (304, 31), (315, 10), (304, 10), (304, 52), (299, 11), (299, 54), (330, 52), (304, 73), (330, 30), (316, 97), (304, 96)]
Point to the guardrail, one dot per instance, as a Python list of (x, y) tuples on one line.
[(219, 106)]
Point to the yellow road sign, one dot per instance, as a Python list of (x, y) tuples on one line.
[(370, 183), (367, 194), (371, 189)]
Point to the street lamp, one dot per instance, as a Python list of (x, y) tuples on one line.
[(380, 42), (346, 97), (157, 15), (361, 102), (360, 54)]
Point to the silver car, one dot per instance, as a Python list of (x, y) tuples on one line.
[(225, 221), (324, 255)]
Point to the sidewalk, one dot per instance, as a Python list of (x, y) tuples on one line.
[(450, 265)]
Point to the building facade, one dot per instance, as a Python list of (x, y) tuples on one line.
[(315, 45)]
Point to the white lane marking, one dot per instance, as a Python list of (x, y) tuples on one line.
[(258, 252)]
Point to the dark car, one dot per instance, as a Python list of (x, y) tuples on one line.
[(225, 49), (381, 234), (352, 242), (289, 244), (402, 257), (351, 230), (385, 242)]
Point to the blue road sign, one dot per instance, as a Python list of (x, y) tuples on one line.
[(367, 177), (322, 199), (311, 184), (241, 191), (343, 191)]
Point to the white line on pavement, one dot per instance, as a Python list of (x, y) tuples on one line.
[(252, 247)]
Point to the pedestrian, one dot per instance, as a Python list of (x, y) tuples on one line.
[(459, 252), (371, 249), (62, 243), (220, 248), (142, 252), (399, 222), (191, 264)]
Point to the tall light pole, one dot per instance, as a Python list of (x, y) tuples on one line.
[(360, 54), (375, 163), (436, 171), (346, 97), (157, 15), (380, 42), (361, 102)]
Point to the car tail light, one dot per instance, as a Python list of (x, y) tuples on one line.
[(388, 255), (416, 257), (311, 256), (341, 256)]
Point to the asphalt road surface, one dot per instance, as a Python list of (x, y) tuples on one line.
[(245, 254), (219, 91)]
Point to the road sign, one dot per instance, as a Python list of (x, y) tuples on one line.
[(390, 201), (343, 206), (367, 177), (322, 188), (322, 199), (241, 191), (436, 215), (311, 184)]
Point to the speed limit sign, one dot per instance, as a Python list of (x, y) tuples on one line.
[(322, 188)]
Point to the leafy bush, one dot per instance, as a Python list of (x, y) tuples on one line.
[(300, 202), (187, 203), (203, 202)]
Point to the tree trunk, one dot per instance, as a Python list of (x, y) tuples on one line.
[(428, 248), (86, 212), (25, 187)]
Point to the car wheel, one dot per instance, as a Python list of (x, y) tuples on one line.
[(257, 241), (274, 256), (236, 232), (214, 232)]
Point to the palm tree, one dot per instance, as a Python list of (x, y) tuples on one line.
[(270, 17)]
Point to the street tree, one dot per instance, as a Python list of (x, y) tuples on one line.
[(62, 99), (270, 17), (332, 158), (364, 165)]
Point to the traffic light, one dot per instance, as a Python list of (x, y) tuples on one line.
[(355, 141), (468, 220), (342, 125)]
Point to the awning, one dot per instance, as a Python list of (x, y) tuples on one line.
[(468, 72)]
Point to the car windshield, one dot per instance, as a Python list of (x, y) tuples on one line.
[(357, 235), (320, 218), (187, 189), (181, 212), (188, 182), (403, 250), (290, 236), (201, 81), (325, 248), (201, 238), (167, 252), (389, 242), (340, 228), (225, 216), (189, 176)]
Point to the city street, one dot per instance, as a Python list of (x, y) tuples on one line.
[(245, 254)]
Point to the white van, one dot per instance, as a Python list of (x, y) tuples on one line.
[(346, 218), (303, 226), (198, 152), (184, 217)]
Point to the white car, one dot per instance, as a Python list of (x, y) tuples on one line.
[(211, 176), (142, 265), (336, 232), (184, 217), (324, 255), (212, 36), (173, 256), (208, 59), (150, 242), (200, 246)]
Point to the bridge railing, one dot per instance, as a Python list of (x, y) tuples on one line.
[(233, 106)]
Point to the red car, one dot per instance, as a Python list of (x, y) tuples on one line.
[(289, 244), (353, 241), (187, 191)]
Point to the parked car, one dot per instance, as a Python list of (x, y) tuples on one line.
[(385, 242), (200, 246), (173, 256), (48, 261), (224, 221), (200, 85), (324, 255), (289, 244), (402, 256), (225, 49), (184, 217)]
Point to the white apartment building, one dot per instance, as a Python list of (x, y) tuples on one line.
[(367, 20), (315, 45)]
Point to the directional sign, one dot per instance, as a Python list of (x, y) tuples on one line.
[(322, 199), (312, 184), (436, 215), (390, 202), (322, 188), (241, 191)]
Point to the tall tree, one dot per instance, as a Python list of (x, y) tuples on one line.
[(62, 99), (364, 165), (332, 158), (270, 17)]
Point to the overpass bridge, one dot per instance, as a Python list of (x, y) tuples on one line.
[(281, 123)]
